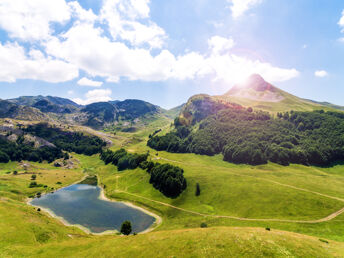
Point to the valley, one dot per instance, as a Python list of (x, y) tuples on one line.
[(258, 210)]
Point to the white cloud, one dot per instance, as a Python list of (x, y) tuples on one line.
[(93, 96), (129, 20), (239, 7), (320, 73), (220, 44), (31, 20), (232, 69), (87, 82), (70, 92), (341, 20), (16, 64), (106, 52), (85, 46), (82, 14)]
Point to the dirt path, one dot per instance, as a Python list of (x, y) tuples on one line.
[(328, 218), (271, 181)]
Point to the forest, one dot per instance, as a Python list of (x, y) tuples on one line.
[(248, 137), (168, 179), (18, 151), (66, 140)]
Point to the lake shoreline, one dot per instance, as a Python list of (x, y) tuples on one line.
[(102, 196)]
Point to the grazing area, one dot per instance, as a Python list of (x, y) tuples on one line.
[(294, 199)]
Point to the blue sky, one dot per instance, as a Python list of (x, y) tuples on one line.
[(166, 51)]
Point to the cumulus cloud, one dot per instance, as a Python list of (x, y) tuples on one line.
[(93, 96), (121, 48), (239, 7), (220, 44), (31, 20), (15, 64), (341, 20), (129, 20), (320, 73), (90, 83)]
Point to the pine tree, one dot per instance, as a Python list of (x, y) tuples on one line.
[(198, 190)]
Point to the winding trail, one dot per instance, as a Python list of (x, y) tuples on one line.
[(328, 218)]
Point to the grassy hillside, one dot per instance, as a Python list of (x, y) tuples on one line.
[(209, 242), (237, 202)]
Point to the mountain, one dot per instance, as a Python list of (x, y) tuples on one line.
[(31, 100), (11, 110), (47, 104), (259, 94), (100, 113), (122, 114)]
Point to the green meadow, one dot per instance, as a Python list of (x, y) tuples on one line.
[(237, 203)]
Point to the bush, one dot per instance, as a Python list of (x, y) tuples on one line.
[(126, 228), (33, 184), (204, 225), (33, 177)]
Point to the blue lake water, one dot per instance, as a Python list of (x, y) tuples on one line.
[(80, 204)]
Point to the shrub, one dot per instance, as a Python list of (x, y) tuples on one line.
[(204, 225), (33, 177), (126, 228), (33, 184)]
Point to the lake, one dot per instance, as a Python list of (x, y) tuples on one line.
[(80, 204)]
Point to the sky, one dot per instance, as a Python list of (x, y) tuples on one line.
[(166, 51)]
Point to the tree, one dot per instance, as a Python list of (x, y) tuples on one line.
[(126, 227), (33, 177), (4, 157), (198, 190)]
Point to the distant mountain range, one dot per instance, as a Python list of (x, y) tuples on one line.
[(255, 93), (97, 115)]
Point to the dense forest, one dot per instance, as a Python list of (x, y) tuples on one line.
[(66, 140), (244, 136), (122, 159), (18, 151), (166, 178)]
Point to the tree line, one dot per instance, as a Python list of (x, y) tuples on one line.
[(244, 136), (66, 140), (18, 151), (168, 179)]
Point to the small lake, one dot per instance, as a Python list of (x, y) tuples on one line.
[(80, 204)]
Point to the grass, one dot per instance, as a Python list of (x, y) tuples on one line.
[(208, 242), (269, 191)]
